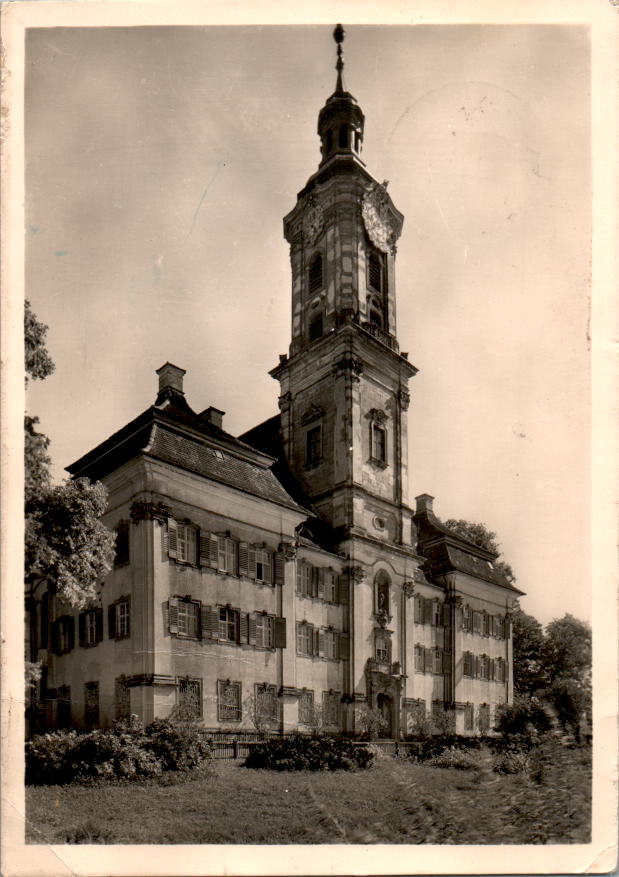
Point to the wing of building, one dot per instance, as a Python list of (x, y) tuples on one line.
[(281, 579)]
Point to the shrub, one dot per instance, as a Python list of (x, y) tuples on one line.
[(126, 752), (434, 745), (512, 762), (459, 759), (310, 753)]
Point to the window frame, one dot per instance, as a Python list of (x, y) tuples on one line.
[(189, 545), (313, 445), (221, 706), (229, 623), (304, 633), (123, 619), (330, 643), (382, 655), (378, 429), (265, 624)]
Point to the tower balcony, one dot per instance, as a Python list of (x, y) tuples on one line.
[(384, 337)]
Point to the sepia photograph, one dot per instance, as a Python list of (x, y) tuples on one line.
[(308, 406)]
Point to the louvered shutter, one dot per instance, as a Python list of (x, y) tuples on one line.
[(71, 632), (321, 643), (251, 562), (492, 669), (111, 621), (209, 621), (173, 614), (299, 577), (279, 633), (204, 548), (418, 609), (252, 629), (342, 588), (428, 660), (427, 611), (244, 628), (344, 647), (81, 626), (99, 625), (319, 580), (171, 537), (280, 568), (267, 566), (213, 551), (243, 559), (315, 640)]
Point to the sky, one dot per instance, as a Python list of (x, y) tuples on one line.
[(160, 162)]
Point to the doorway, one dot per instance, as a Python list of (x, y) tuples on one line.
[(385, 704)]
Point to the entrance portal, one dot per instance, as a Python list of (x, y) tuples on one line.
[(385, 705)]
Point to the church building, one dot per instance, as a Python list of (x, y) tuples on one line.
[(280, 578)]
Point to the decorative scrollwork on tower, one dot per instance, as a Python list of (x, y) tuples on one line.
[(313, 222)]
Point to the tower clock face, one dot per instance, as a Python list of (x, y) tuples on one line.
[(375, 212), (313, 223)]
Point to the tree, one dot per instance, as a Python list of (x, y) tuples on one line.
[(67, 545), (529, 668), (484, 538), (566, 657)]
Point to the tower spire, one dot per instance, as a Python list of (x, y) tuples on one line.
[(338, 36)]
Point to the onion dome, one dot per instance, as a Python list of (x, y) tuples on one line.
[(340, 121)]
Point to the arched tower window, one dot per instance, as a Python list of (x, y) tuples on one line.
[(315, 326), (382, 587), (375, 271), (315, 274)]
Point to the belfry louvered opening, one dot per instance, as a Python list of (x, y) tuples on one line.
[(315, 274)]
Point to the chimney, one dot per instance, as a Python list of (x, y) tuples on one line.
[(424, 503), (171, 378), (214, 416)]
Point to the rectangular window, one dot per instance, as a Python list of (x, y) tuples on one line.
[(466, 618), (484, 717), (63, 635), (313, 445), (190, 698), (263, 566), (304, 579), (437, 661), (468, 669), (227, 552), (188, 619), (228, 701), (122, 698), (185, 543), (500, 670), (379, 443), (91, 628), (91, 704), (228, 624), (264, 631), (418, 605), (469, 717), (477, 622), (306, 707), (329, 585), (305, 639), (382, 650), (123, 627), (330, 644), (331, 708), (419, 659)]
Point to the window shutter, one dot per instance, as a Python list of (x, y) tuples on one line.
[(252, 629), (81, 626), (171, 537), (508, 627), (320, 582), (71, 632), (209, 622), (280, 568), (315, 640), (173, 614), (299, 577), (492, 671), (99, 625), (427, 611), (243, 559), (244, 628), (213, 551), (321, 642), (204, 548), (267, 571), (342, 588), (344, 647), (111, 621), (428, 660), (279, 633), (251, 564), (418, 609)]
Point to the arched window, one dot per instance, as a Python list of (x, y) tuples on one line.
[(375, 271), (315, 274), (382, 584), (343, 136)]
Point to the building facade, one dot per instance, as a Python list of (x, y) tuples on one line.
[(280, 579)]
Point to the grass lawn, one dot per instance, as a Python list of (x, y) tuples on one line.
[(395, 801)]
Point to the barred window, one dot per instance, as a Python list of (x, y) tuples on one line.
[(306, 707), (264, 631), (91, 704), (189, 695), (228, 701), (267, 704), (331, 708), (122, 698), (484, 717)]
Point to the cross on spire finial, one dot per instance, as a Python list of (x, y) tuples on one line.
[(338, 36)]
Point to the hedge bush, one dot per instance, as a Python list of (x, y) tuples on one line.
[(128, 751), (310, 753)]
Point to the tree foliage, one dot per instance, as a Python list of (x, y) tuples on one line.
[(67, 545), (528, 639), (484, 538)]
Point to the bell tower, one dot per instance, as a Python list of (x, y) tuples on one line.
[(344, 383)]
